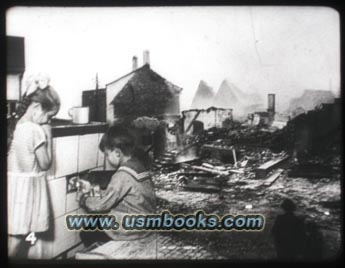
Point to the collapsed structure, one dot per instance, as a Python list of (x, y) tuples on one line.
[(208, 159), (263, 147), (210, 132), (309, 100), (228, 96), (197, 120)]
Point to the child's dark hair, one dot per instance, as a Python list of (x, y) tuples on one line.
[(118, 136)]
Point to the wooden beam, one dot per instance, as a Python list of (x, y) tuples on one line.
[(271, 179), (265, 168), (191, 122)]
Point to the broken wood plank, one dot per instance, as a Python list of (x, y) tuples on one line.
[(197, 187), (271, 179), (207, 165), (238, 171), (265, 168), (193, 120), (217, 171), (191, 174), (217, 148), (234, 155), (211, 170)]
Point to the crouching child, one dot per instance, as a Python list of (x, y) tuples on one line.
[(130, 190)]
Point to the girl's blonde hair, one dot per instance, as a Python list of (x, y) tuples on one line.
[(48, 99)]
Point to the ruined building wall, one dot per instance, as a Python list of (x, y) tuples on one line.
[(210, 118)]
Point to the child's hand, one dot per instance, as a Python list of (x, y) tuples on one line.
[(84, 186), (83, 199)]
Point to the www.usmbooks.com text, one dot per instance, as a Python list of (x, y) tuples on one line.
[(165, 221)]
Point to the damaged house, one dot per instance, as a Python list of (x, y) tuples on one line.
[(309, 100), (143, 93), (264, 118), (318, 130), (197, 120)]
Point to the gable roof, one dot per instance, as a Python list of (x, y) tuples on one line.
[(126, 75), (121, 82)]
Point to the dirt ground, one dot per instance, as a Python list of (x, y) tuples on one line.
[(318, 200)]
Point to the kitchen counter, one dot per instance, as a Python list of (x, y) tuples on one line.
[(63, 127), (75, 151)]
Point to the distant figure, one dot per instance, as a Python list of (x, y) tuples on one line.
[(289, 233)]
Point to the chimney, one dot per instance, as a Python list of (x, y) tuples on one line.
[(134, 63), (271, 103), (146, 57)]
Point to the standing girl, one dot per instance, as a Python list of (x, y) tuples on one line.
[(28, 157)]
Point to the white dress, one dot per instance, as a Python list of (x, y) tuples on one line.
[(28, 204)]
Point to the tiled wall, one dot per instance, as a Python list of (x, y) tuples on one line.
[(71, 155)]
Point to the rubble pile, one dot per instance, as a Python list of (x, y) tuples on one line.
[(261, 137), (317, 200), (166, 161), (210, 173), (245, 151), (170, 248), (252, 169)]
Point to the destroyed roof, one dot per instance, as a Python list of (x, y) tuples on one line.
[(310, 99), (261, 113), (143, 92), (281, 117), (140, 74), (212, 108), (317, 92), (323, 126), (203, 97), (322, 108)]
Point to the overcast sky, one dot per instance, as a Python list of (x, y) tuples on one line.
[(281, 50)]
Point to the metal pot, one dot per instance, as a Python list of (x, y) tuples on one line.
[(79, 115)]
